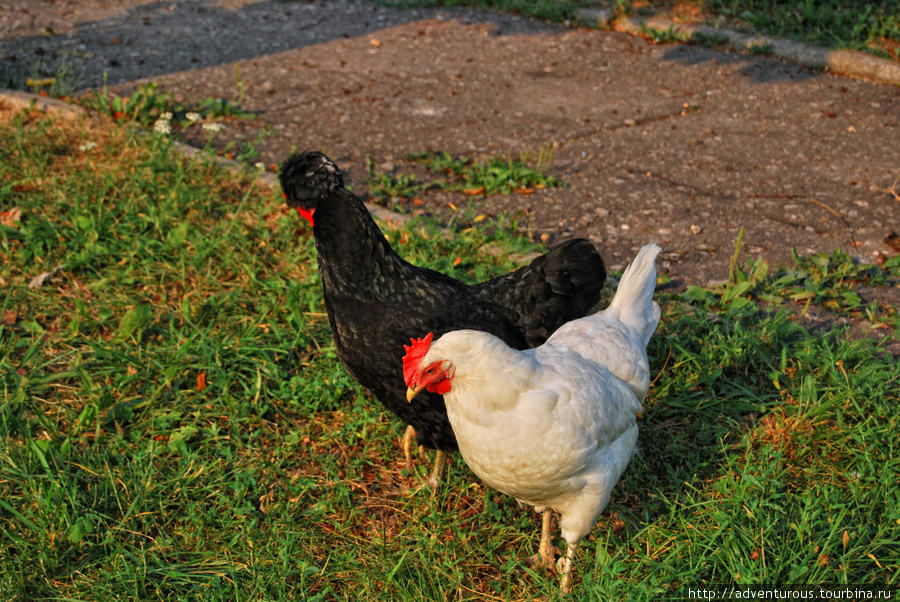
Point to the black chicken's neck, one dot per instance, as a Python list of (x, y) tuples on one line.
[(354, 256)]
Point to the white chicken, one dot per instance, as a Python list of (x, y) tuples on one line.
[(554, 426)]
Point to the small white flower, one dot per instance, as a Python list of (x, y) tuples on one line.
[(167, 116), (213, 127), (192, 116), (87, 146), (260, 166), (163, 126)]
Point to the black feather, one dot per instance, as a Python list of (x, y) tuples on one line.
[(377, 302)]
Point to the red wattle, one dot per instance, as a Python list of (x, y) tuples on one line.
[(306, 214), (441, 387)]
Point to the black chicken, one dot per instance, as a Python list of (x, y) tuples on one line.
[(377, 302)]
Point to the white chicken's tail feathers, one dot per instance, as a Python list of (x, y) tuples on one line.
[(634, 297)]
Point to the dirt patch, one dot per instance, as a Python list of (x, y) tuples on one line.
[(683, 145)]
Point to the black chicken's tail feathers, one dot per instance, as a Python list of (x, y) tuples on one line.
[(557, 287), (307, 177)]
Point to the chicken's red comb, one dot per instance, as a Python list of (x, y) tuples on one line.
[(414, 354)]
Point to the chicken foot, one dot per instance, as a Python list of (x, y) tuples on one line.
[(439, 470), (546, 554), (440, 459), (566, 585)]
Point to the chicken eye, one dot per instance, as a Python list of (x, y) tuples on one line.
[(430, 371)]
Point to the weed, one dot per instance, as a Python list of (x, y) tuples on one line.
[(892, 266), (715, 40), (497, 174), (827, 280), (56, 84), (220, 107), (632, 8), (148, 103), (388, 188), (624, 8), (247, 152), (756, 48), (664, 36), (892, 190)]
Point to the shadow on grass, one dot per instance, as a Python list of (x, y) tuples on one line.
[(712, 372)]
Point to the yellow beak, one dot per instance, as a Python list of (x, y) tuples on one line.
[(410, 393)]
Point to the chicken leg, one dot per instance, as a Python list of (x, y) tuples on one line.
[(546, 554), (440, 458), (566, 585), (406, 444), (545, 548), (439, 469)]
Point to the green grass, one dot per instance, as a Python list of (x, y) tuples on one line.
[(500, 174), (665, 36), (870, 26), (149, 105), (174, 424), (827, 280), (866, 25), (495, 175)]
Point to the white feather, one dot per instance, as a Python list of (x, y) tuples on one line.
[(555, 426)]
